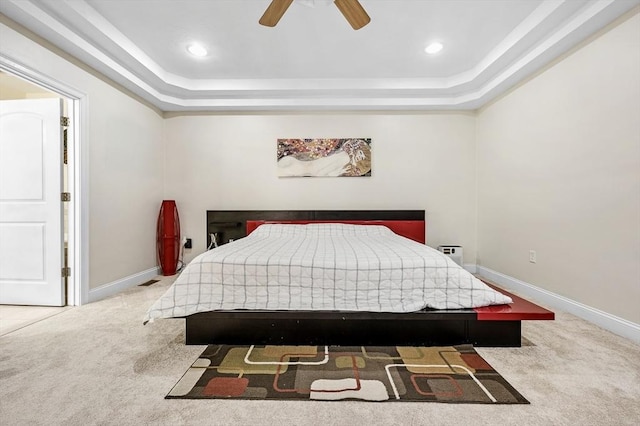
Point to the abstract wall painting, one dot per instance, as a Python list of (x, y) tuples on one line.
[(324, 157)]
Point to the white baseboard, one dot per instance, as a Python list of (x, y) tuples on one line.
[(471, 267), (607, 321), (115, 287)]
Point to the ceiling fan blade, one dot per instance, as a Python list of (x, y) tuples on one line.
[(353, 12), (274, 12)]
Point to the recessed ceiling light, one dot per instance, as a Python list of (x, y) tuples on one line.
[(433, 48), (197, 50)]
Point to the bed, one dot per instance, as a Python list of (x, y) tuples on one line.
[(279, 315)]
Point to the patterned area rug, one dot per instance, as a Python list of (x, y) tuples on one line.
[(454, 374)]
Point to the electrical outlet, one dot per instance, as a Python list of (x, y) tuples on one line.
[(188, 243), (532, 256)]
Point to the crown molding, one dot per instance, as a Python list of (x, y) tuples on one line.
[(551, 30)]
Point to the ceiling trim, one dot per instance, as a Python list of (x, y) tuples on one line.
[(498, 71)]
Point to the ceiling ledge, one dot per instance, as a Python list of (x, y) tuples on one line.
[(496, 73)]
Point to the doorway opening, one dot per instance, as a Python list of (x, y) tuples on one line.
[(19, 82)]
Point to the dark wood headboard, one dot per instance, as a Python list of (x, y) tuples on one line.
[(231, 224)]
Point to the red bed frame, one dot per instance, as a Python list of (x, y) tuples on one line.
[(488, 326), (413, 229)]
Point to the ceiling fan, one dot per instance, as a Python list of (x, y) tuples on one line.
[(351, 9)]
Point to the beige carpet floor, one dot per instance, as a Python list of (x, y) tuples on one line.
[(98, 365), (13, 317)]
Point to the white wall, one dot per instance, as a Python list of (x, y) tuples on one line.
[(124, 139), (420, 161), (559, 173)]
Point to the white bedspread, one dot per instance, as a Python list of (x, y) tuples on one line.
[(324, 266)]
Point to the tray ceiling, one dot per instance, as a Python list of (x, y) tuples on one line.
[(313, 59)]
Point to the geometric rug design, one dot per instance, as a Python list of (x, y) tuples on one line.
[(451, 374)]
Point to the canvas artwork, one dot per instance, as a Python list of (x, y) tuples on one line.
[(324, 157)]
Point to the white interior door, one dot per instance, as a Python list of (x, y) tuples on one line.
[(31, 244)]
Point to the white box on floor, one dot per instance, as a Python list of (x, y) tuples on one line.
[(454, 252)]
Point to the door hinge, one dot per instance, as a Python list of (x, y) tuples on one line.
[(66, 272), (64, 147), (64, 122), (66, 197)]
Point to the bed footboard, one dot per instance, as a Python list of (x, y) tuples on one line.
[(491, 326), (353, 328)]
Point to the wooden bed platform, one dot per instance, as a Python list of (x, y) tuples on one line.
[(492, 326)]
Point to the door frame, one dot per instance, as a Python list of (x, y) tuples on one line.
[(78, 177)]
